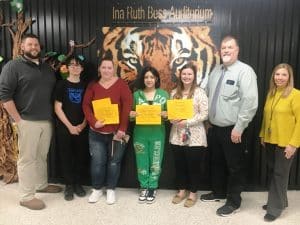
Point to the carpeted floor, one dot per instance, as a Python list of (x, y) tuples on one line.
[(127, 210)]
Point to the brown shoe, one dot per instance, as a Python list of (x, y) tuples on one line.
[(50, 189), (177, 198), (189, 202), (33, 204)]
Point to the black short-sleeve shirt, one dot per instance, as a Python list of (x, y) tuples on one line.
[(71, 96)]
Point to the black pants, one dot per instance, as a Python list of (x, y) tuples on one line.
[(73, 152), (228, 165), (278, 175), (187, 166)]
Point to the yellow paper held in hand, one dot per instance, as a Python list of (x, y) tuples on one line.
[(103, 101), (148, 114), (180, 109), (105, 111)]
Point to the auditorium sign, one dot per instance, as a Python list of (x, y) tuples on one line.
[(150, 14)]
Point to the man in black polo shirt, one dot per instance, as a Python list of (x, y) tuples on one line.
[(26, 86)]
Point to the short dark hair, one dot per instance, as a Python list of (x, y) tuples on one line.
[(25, 36), (140, 81), (230, 37), (76, 59)]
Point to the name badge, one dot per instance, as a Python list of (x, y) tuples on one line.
[(230, 82)]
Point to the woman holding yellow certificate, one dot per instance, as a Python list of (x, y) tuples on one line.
[(188, 137), (106, 106), (149, 105)]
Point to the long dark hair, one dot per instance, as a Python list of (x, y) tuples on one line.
[(140, 81)]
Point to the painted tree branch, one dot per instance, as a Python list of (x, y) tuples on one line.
[(73, 46), (17, 28), (8, 148)]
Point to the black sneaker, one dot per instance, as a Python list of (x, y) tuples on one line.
[(143, 195), (79, 191), (269, 218), (264, 207), (69, 193), (227, 210), (211, 197), (151, 196)]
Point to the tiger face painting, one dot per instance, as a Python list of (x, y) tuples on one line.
[(166, 49)]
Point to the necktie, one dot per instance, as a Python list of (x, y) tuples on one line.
[(216, 94)]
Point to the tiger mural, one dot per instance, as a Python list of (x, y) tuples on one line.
[(165, 48)]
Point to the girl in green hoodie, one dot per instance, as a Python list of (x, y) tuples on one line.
[(149, 140)]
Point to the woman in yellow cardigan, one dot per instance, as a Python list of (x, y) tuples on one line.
[(280, 136)]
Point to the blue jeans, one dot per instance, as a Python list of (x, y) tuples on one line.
[(105, 160)]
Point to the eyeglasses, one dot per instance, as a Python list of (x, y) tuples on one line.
[(74, 65)]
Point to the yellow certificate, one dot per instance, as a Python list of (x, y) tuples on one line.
[(99, 102), (148, 114), (179, 109), (105, 111)]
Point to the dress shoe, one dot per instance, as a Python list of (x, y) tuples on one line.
[(50, 189), (69, 193), (269, 218), (227, 210), (79, 191), (212, 197), (33, 204)]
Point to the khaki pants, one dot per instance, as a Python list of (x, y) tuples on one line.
[(33, 140)]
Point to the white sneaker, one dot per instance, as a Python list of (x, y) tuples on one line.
[(143, 195), (95, 196), (110, 196), (151, 196)]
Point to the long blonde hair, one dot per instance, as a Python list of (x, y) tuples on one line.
[(179, 88), (290, 85)]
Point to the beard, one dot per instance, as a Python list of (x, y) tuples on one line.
[(31, 56)]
